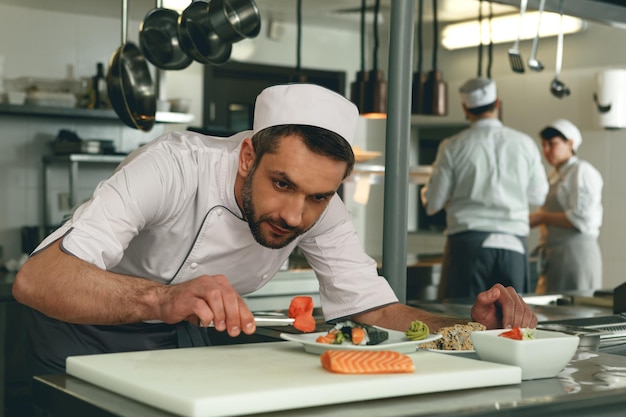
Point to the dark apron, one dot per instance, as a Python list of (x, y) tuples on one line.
[(469, 268), (49, 341)]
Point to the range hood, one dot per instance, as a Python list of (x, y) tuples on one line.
[(608, 12)]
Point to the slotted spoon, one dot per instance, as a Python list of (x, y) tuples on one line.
[(515, 56), (533, 63)]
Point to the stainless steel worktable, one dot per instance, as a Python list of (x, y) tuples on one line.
[(593, 384)]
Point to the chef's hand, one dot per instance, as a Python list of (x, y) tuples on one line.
[(501, 307), (206, 299)]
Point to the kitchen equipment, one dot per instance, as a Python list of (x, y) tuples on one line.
[(557, 87), (419, 76), (533, 63), (515, 56), (158, 39), (265, 377), (198, 37), (270, 320), (435, 90), (610, 98), (129, 83), (234, 20)]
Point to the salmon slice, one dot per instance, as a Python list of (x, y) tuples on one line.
[(366, 362)]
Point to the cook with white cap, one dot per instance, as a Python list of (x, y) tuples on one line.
[(485, 177), (570, 219), (189, 223)]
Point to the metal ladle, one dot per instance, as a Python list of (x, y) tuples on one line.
[(533, 63), (557, 87)]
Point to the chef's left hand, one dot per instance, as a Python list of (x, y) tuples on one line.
[(502, 307)]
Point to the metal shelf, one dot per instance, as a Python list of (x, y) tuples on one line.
[(72, 161), (76, 112)]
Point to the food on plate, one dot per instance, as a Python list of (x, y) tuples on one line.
[(418, 330), (354, 333), (455, 337), (301, 310), (366, 362), (517, 333)]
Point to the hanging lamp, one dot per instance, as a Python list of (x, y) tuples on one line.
[(369, 90)]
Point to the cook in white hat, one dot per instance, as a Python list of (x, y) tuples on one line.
[(567, 131), (571, 215), (204, 221), (478, 92)]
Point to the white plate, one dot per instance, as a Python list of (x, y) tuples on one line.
[(397, 341)]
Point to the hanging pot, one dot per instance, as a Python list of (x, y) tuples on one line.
[(435, 88), (419, 77), (198, 38), (234, 20), (158, 39), (129, 83)]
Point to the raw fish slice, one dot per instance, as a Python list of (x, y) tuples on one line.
[(366, 362)]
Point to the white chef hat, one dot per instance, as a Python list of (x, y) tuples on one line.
[(568, 130), (306, 104), (478, 92)]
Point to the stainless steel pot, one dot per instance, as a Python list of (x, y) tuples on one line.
[(198, 38), (129, 83), (158, 39), (234, 20)]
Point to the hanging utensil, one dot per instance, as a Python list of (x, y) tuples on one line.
[(479, 73), (419, 77), (515, 56), (129, 83), (158, 39), (198, 37), (557, 87), (435, 88), (234, 20), (533, 63)]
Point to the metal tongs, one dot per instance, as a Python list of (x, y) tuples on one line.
[(268, 319)]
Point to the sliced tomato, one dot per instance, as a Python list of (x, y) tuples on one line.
[(515, 333), (301, 310)]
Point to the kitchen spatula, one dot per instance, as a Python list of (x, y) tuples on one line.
[(515, 56)]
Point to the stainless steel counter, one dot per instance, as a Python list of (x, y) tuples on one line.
[(593, 384)]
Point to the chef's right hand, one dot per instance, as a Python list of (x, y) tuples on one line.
[(206, 299)]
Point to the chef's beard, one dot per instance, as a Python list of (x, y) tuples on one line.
[(255, 224)]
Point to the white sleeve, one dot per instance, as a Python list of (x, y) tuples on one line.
[(584, 203), (438, 190)]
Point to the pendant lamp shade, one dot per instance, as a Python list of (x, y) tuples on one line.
[(369, 90)]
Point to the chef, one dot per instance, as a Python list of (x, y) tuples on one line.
[(570, 219), (486, 177), (189, 223)]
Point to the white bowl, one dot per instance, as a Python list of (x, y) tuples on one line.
[(543, 357)]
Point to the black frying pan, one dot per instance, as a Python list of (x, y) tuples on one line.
[(129, 83)]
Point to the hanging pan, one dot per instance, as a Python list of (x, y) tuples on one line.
[(198, 37), (158, 39), (435, 93), (234, 20), (129, 83)]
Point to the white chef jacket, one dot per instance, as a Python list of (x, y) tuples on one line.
[(168, 213), (486, 177), (579, 192)]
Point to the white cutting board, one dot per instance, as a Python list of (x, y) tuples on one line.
[(244, 379)]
